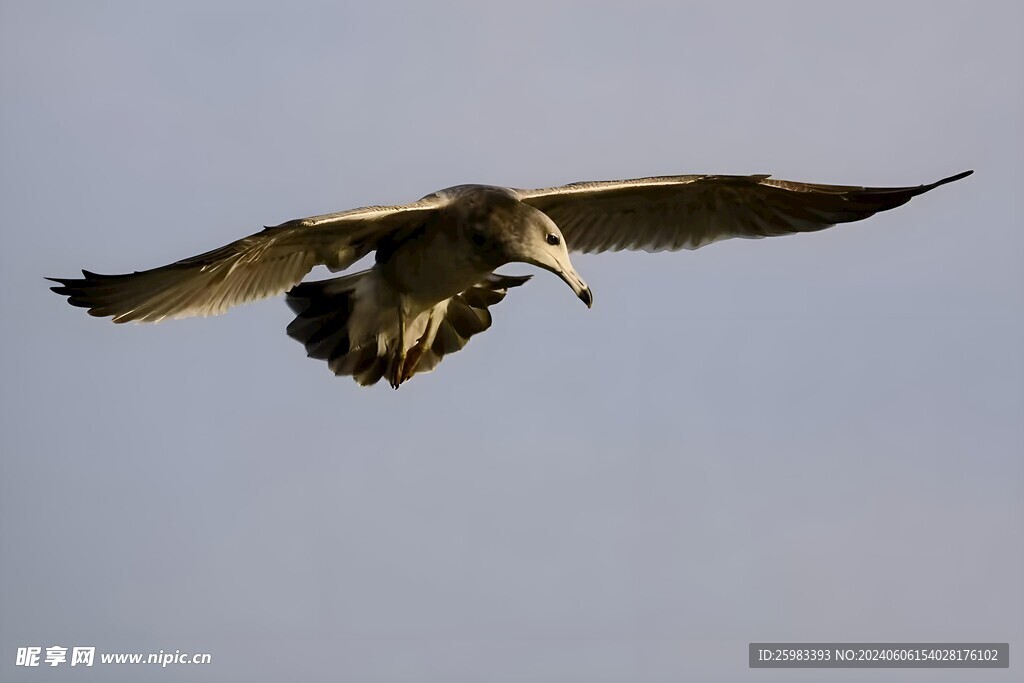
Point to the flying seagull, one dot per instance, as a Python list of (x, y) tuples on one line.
[(433, 280)]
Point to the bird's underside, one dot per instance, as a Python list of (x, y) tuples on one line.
[(434, 279), (343, 322)]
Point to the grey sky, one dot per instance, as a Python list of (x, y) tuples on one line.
[(817, 437)]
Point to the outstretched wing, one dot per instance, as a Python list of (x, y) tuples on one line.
[(688, 212), (260, 265)]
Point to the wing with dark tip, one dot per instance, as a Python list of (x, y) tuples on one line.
[(688, 212), (264, 264)]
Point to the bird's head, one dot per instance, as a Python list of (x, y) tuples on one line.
[(509, 231)]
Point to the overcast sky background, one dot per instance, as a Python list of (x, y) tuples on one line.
[(810, 438)]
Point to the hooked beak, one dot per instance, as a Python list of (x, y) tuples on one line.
[(563, 269), (580, 287), (587, 297)]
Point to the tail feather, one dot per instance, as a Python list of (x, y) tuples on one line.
[(322, 310), (332, 323)]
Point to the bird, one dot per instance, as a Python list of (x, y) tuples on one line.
[(433, 280)]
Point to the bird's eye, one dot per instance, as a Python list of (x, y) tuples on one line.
[(553, 239)]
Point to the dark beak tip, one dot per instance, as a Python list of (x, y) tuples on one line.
[(587, 297)]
